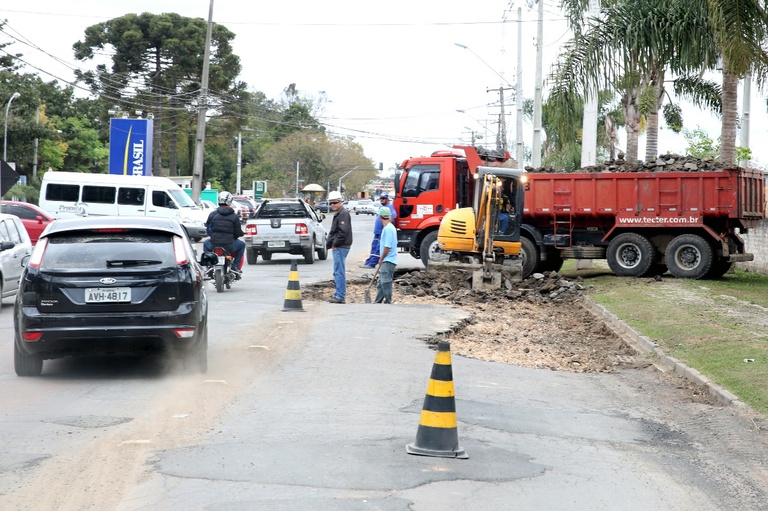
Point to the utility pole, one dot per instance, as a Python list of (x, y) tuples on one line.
[(501, 136), (37, 142), (239, 162), (202, 110), (297, 178), (746, 105), (519, 153), (536, 157), (589, 117)]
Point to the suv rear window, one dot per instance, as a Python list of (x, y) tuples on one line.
[(282, 210), (90, 250)]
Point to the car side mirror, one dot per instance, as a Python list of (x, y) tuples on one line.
[(6, 245)]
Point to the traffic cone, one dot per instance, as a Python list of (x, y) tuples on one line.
[(437, 434), (293, 292)]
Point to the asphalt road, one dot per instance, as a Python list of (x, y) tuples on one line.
[(312, 410)]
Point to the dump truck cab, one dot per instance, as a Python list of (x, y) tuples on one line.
[(428, 187)]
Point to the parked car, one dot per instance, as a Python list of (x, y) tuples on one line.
[(111, 284), (249, 205), (34, 218), (365, 207), (289, 226), (323, 207), (14, 246)]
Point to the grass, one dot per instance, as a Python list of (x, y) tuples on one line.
[(699, 322)]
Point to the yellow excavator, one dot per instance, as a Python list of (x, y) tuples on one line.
[(486, 237)]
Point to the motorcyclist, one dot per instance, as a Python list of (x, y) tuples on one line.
[(223, 226)]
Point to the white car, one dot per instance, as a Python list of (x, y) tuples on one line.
[(14, 246), (365, 206)]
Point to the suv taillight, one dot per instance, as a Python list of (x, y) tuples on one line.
[(302, 229), (251, 229)]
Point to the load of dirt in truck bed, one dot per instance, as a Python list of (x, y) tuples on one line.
[(539, 322), (663, 163)]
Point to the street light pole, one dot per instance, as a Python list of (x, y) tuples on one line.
[(345, 175), (5, 135)]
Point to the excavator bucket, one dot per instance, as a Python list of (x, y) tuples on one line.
[(484, 280), (492, 278)]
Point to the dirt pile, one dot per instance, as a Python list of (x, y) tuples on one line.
[(538, 322)]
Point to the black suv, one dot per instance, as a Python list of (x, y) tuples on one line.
[(111, 284)]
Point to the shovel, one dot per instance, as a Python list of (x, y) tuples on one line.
[(368, 289)]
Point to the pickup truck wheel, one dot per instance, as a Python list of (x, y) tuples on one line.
[(251, 256), (322, 253), (309, 255), (689, 256), (530, 256), (630, 255), (267, 256)]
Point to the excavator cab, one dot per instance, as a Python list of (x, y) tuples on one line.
[(472, 236)]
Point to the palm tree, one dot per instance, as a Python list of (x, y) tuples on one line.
[(685, 37), (628, 49), (739, 29)]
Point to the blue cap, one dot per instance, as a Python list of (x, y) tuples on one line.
[(384, 196)]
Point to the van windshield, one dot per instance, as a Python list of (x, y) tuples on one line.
[(184, 200)]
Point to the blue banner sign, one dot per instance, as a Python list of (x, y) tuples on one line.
[(130, 147)]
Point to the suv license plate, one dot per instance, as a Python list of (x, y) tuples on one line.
[(275, 244), (107, 294)]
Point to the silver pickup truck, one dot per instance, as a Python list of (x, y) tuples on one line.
[(289, 226)]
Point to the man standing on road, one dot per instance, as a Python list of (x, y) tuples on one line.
[(339, 241), (373, 258), (388, 257)]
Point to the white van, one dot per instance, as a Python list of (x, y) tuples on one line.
[(66, 194)]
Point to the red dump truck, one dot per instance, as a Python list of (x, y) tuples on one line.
[(643, 223)]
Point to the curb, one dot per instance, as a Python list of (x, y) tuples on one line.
[(662, 362)]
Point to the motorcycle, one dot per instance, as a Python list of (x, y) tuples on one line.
[(219, 268)]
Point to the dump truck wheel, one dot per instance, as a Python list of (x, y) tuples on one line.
[(429, 250), (689, 256), (530, 255), (630, 255), (554, 262)]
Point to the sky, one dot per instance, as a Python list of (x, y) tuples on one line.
[(393, 72)]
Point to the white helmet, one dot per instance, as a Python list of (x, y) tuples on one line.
[(334, 196), (225, 198)]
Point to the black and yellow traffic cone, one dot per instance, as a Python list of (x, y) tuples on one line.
[(293, 292), (437, 434)]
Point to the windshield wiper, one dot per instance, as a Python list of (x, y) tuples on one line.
[(131, 262)]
